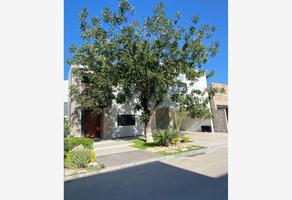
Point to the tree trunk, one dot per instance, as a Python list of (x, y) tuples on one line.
[(148, 129)]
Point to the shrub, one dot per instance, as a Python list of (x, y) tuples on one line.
[(66, 146), (92, 159), (186, 138), (165, 136), (65, 154), (68, 161), (81, 158), (175, 140), (178, 116), (70, 143), (66, 128)]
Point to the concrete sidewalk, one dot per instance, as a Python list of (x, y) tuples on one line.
[(126, 158), (109, 147), (113, 153)]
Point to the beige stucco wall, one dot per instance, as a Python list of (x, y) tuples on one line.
[(220, 99), (190, 124)]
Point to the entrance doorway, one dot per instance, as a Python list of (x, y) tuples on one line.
[(91, 124)]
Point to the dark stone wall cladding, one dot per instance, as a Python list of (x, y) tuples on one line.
[(219, 120)]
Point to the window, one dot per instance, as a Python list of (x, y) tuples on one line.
[(206, 129), (126, 120)]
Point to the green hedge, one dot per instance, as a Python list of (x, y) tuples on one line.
[(70, 143)]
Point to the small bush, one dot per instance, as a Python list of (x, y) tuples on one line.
[(66, 146), (70, 143), (175, 140), (65, 154), (68, 161), (186, 138), (81, 158), (165, 136), (66, 128), (92, 159)]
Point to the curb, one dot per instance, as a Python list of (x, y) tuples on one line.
[(110, 169)]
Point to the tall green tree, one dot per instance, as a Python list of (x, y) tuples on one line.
[(124, 59)]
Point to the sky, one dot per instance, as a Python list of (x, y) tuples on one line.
[(212, 12)]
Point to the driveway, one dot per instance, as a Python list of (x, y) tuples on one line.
[(118, 153), (209, 140), (213, 164), (202, 177)]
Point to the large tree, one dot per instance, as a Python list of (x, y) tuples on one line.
[(125, 59)]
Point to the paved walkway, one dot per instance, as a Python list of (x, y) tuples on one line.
[(114, 153), (213, 164), (126, 158), (109, 147), (119, 153), (209, 140)]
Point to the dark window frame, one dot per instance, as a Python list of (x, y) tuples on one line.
[(206, 129), (126, 120)]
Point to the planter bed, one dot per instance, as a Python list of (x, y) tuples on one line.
[(163, 150), (76, 171)]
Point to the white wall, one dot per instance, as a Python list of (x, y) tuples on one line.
[(201, 84), (128, 108), (190, 124), (124, 131)]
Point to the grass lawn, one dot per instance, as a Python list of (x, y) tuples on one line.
[(141, 144)]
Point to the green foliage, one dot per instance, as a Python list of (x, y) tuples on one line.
[(68, 161), (70, 143), (66, 146), (78, 158), (186, 138), (164, 137), (190, 148), (81, 158), (66, 128), (92, 156), (142, 144), (178, 116), (175, 140), (65, 154), (141, 59)]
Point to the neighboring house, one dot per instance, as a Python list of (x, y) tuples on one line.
[(196, 125), (66, 97), (122, 120), (219, 106)]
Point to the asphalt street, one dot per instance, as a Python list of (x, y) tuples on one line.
[(202, 177)]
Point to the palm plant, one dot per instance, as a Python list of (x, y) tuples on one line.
[(178, 116), (165, 136)]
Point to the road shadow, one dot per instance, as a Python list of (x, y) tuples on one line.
[(152, 181)]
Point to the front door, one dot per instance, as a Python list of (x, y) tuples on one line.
[(92, 126)]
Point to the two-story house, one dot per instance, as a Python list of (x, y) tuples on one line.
[(122, 120)]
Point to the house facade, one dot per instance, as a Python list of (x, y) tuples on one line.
[(121, 120)]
